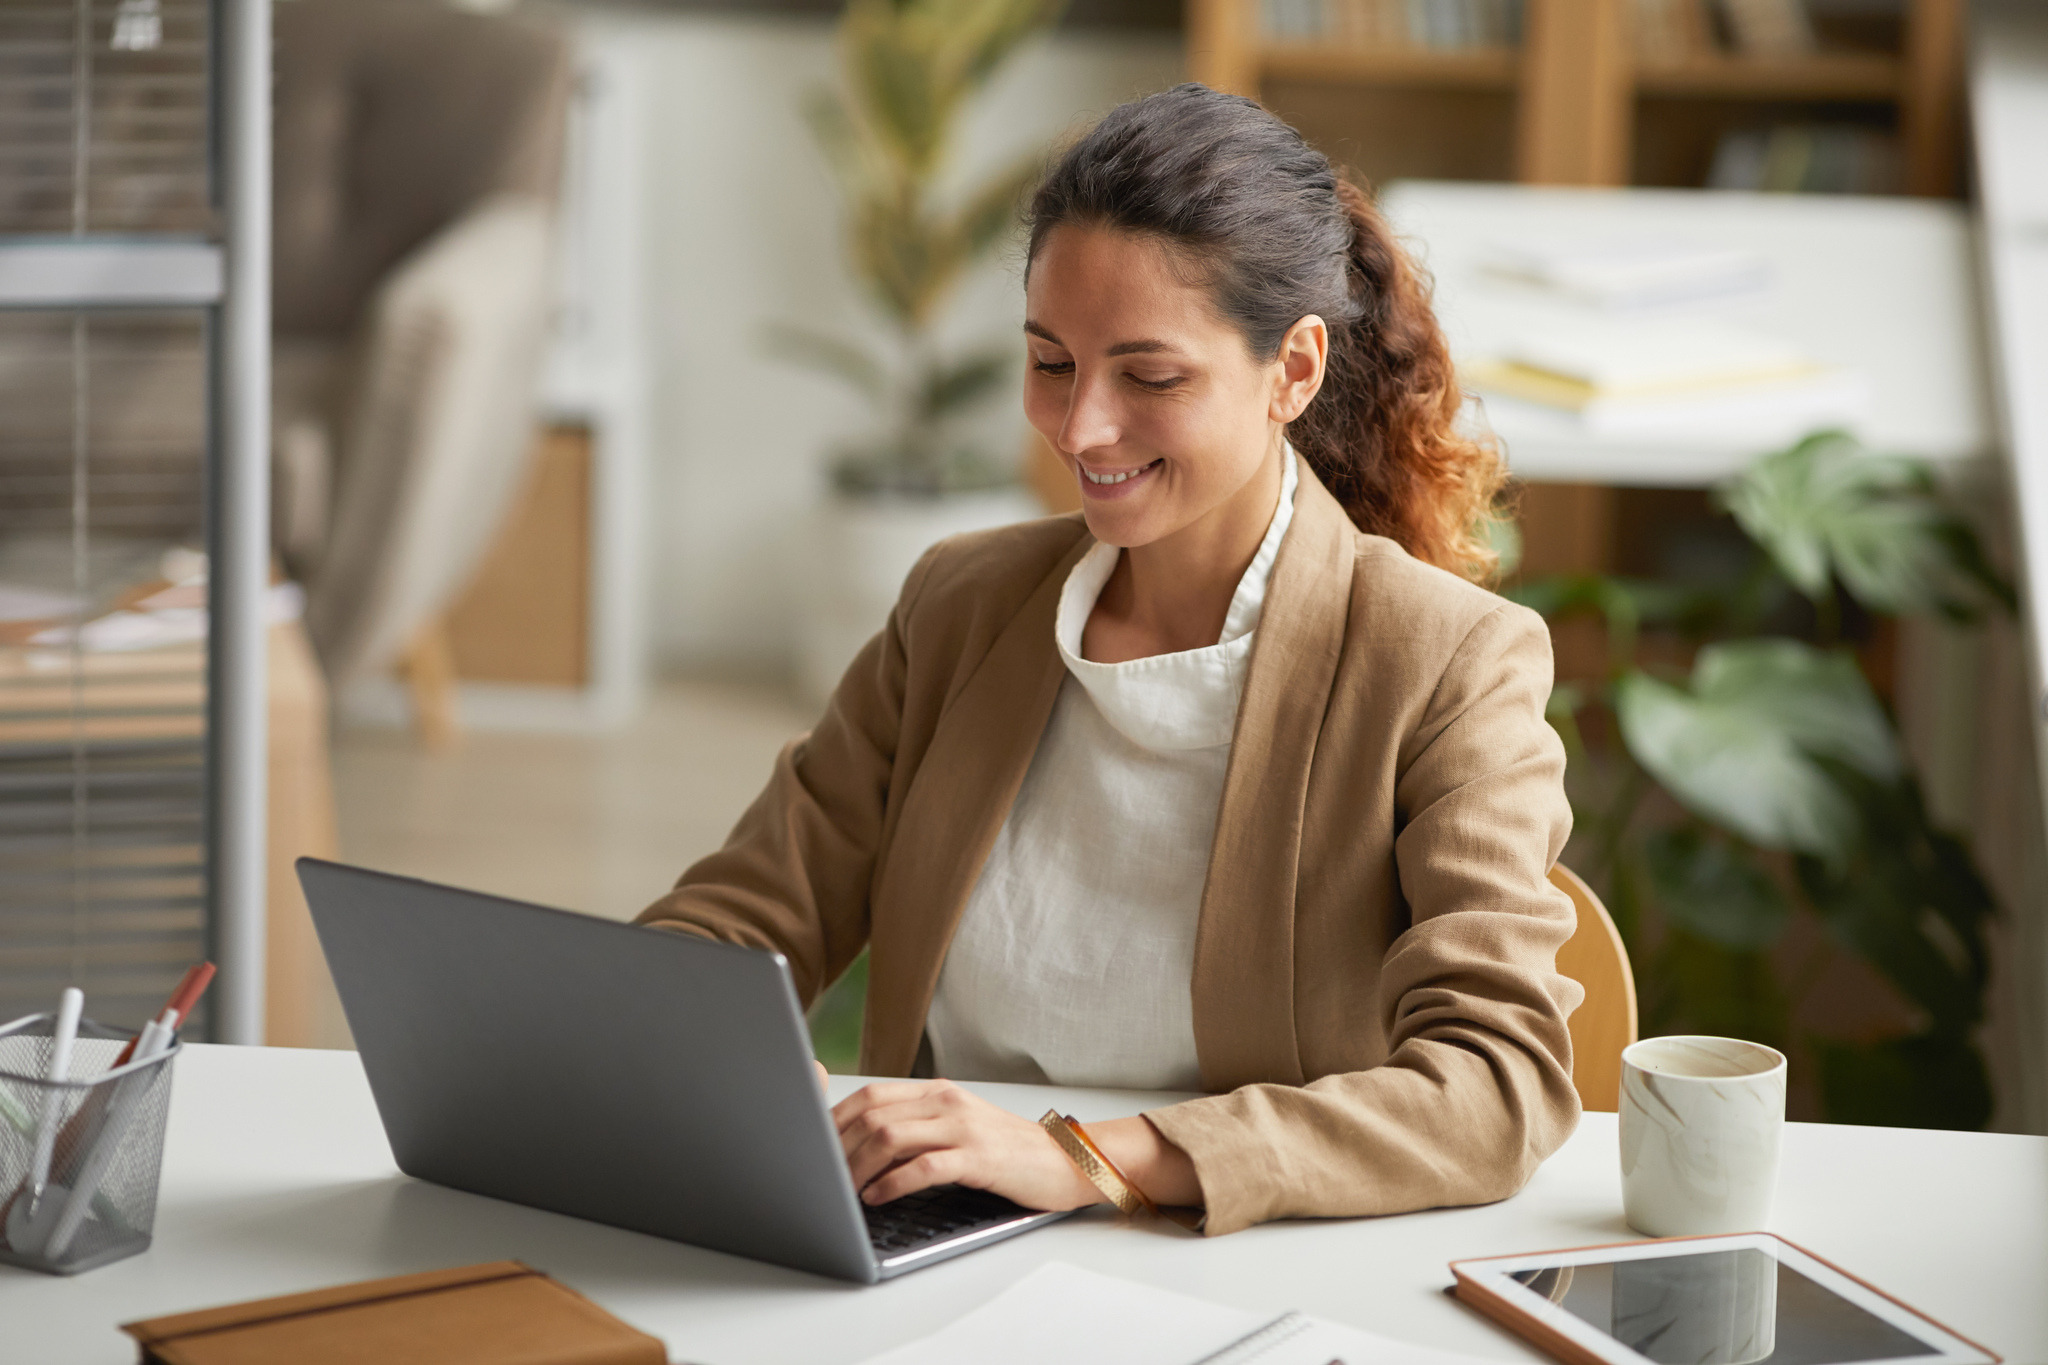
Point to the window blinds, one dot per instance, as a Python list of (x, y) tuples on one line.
[(102, 139), (103, 477)]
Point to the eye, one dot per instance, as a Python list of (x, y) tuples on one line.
[(1054, 367), (1159, 385)]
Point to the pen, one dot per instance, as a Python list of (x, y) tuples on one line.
[(190, 987), (19, 1224), (69, 1006)]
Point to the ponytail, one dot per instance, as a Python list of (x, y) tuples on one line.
[(1280, 236)]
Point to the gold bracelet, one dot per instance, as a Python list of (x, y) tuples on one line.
[(1095, 1164)]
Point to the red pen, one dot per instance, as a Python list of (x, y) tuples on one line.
[(196, 980)]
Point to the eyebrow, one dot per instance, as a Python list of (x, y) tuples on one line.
[(1142, 346)]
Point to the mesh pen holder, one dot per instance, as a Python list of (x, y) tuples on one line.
[(95, 1142)]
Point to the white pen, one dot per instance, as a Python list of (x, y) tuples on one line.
[(69, 1007)]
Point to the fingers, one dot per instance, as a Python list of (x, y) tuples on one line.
[(888, 1122), (883, 1094), (886, 1146), (824, 1076), (941, 1167)]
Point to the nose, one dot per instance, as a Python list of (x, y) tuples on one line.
[(1091, 422)]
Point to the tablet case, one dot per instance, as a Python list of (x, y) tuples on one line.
[(503, 1313)]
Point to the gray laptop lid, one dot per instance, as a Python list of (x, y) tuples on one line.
[(640, 1078)]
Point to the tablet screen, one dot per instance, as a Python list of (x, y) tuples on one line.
[(1740, 1306)]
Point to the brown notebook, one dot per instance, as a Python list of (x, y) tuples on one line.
[(503, 1313)]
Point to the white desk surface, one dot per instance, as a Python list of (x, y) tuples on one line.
[(278, 1179), (1886, 286)]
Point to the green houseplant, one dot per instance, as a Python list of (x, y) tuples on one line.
[(916, 225), (910, 68), (1722, 802)]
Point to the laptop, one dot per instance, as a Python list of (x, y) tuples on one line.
[(635, 1077)]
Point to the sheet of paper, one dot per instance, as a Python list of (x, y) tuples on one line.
[(1630, 272), (1078, 1317)]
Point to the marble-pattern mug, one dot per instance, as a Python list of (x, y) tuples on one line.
[(1701, 1120)]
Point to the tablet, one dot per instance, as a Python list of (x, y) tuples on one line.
[(1744, 1299)]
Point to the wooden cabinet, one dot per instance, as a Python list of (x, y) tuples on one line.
[(525, 617)]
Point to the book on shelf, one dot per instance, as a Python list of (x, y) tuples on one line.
[(1673, 30), (1769, 28), (1807, 158), (1442, 25)]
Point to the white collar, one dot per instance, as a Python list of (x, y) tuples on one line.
[(1185, 700)]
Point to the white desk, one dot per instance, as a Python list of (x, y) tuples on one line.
[(1884, 286), (278, 1179)]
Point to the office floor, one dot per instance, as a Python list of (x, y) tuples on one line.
[(597, 823)]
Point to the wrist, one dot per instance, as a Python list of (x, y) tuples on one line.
[(1163, 1171)]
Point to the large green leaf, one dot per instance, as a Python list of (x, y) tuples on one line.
[(1715, 889), (1739, 747), (1827, 509)]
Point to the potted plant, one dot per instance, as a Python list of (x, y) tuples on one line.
[(1755, 780), (909, 69)]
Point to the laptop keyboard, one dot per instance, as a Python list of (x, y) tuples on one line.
[(935, 1215)]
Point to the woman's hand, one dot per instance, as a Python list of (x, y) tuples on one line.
[(905, 1136)]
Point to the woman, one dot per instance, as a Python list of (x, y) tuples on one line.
[(1234, 783)]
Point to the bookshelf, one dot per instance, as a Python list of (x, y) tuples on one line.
[(1577, 79)]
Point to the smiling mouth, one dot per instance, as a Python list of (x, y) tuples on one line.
[(1100, 479)]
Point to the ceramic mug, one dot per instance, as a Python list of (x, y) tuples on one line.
[(1701, 1120)]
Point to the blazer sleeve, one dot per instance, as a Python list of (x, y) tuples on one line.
[(1477, 1087), (794, 874)]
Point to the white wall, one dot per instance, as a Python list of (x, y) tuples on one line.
[(742, 230)]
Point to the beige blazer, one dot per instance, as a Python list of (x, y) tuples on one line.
[(1376, 1002)]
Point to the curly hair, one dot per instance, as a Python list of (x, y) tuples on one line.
[(1275, 233)]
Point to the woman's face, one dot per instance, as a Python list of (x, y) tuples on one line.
[(1149, 396)]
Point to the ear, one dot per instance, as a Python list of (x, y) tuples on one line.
[(1298, 368)]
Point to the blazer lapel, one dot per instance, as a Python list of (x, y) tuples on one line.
[(1244, 946), (956, 805)]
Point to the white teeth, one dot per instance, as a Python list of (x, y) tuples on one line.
[(1093, 477)]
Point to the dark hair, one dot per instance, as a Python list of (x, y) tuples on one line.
[(1276, 234)]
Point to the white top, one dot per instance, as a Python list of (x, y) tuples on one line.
[(1073, 959), (278, 1179)]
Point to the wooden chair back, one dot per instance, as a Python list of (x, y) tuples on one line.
[(1595, 957)]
